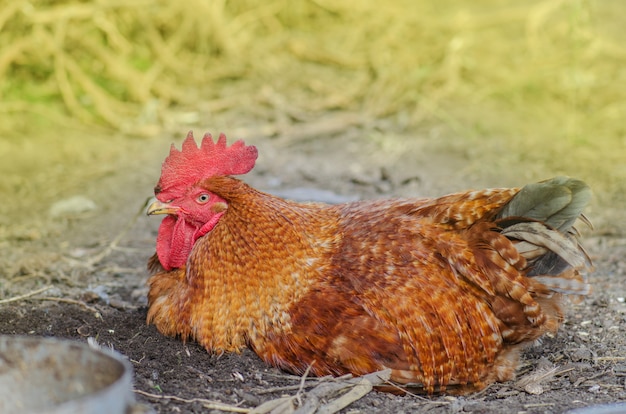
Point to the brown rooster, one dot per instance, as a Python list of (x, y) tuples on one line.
[(444, 292)]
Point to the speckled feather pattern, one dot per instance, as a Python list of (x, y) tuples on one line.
[(429, 288)]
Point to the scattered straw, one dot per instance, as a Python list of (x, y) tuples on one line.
[(125, 63), (533, 382), (211, 405), (24, 296), (80, 303)]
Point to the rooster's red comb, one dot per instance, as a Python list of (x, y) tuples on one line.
[(192, 164)]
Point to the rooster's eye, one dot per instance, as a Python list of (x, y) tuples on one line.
[(203, 198)]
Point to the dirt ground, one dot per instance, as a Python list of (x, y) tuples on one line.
[(89, 255)]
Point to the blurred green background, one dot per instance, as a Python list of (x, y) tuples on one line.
[(535, 87)]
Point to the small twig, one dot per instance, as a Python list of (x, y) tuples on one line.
[(482, 392), (212, 405), (122, 233), (356, 392), (309, 384), (619, 386), (409, 393), (289, 377), (74, 302), (609, 358), (113, 244), (138, 362), (538, 405), (278, 405), (24, 296), (302, 383), (596, 375), (362, 386)]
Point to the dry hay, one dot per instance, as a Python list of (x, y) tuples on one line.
[(109, 60), (543, 74), (114, 61)]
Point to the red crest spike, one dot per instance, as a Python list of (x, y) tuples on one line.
[(192, 163)]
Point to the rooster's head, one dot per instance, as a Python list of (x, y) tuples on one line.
[(192, 211)]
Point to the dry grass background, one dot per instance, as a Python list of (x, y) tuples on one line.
[(531, 83)]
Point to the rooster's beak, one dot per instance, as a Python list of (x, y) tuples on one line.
[(158, 207)]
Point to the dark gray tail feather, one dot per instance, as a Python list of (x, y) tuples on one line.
[(557, 202), (540, 218)]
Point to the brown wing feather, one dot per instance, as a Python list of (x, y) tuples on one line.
[(401, 276), (461, 210)]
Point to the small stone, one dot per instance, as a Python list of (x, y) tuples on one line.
[(581, 354), (534, 388), (72, 206), (544, 364), (120, 304)]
